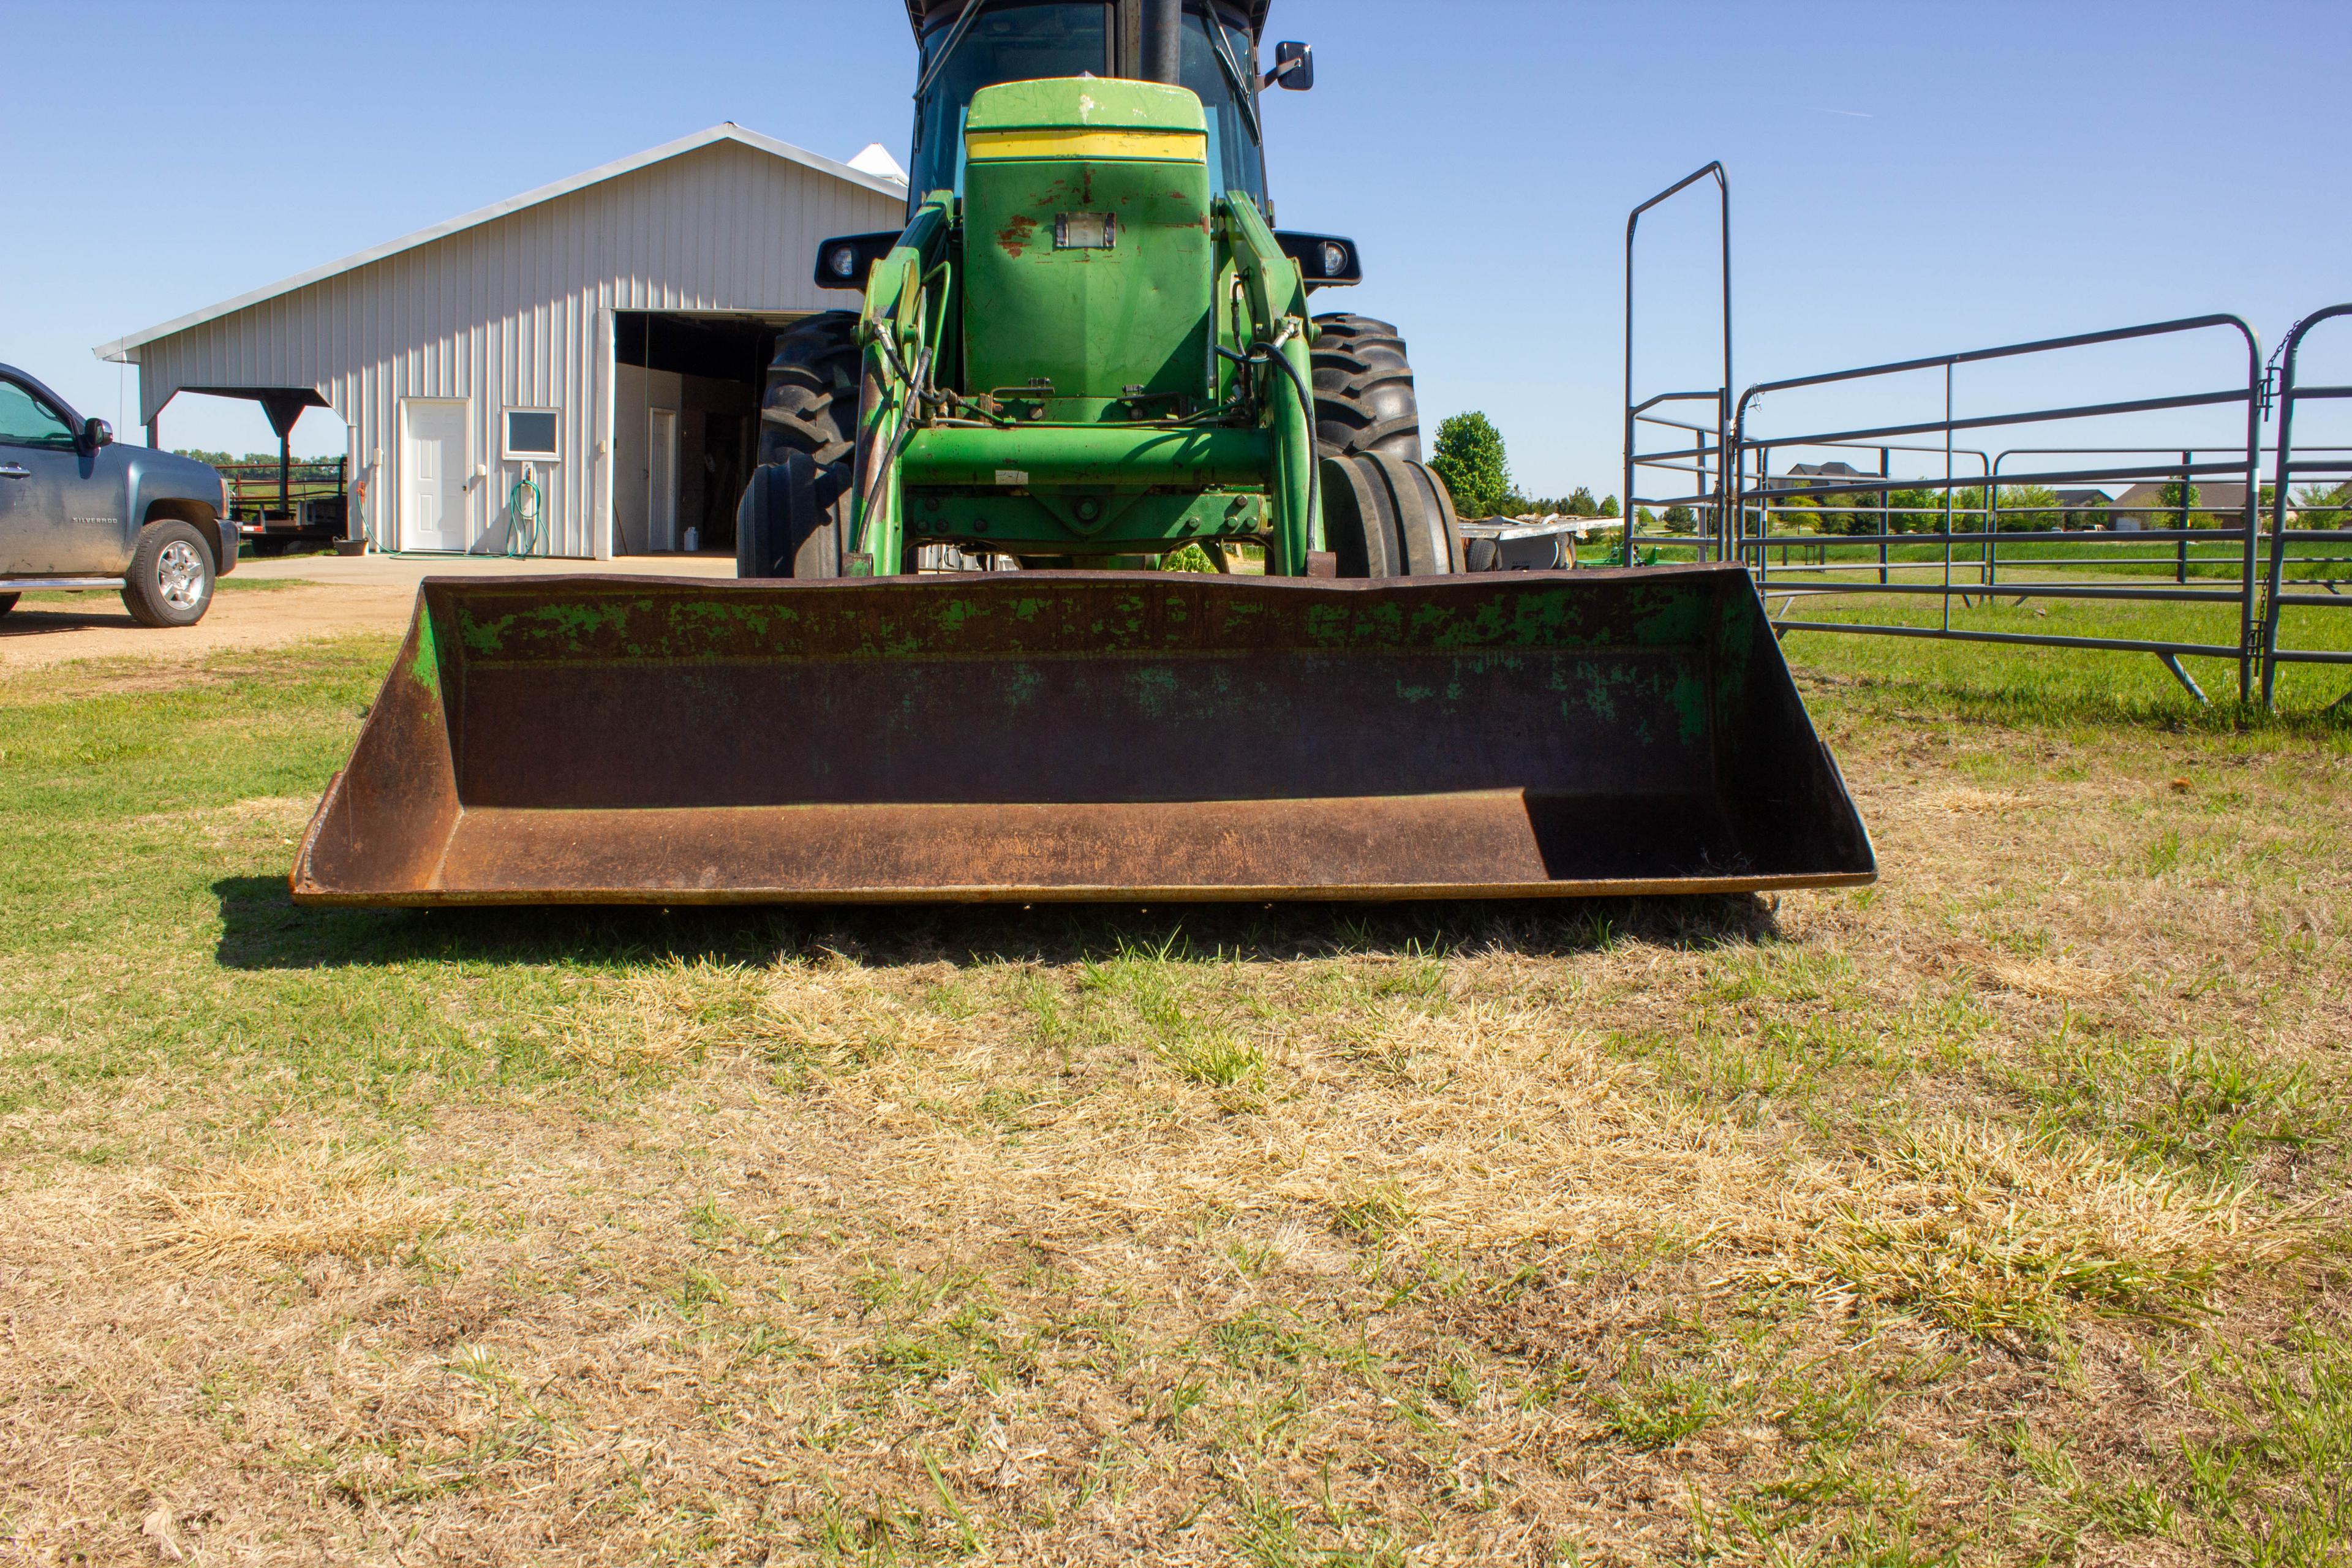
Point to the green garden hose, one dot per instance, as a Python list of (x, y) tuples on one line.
[(526, 503)]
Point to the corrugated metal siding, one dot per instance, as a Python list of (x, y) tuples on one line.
[(516, 314)]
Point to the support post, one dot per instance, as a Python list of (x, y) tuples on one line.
[(1883, 474), (2180, 546)]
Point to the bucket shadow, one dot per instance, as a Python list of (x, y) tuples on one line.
[(263, 929)]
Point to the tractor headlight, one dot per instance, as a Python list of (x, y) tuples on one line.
[(1335, 258), (842, 261)]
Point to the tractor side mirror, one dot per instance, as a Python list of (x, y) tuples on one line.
[(1294, 66), (97, 433)]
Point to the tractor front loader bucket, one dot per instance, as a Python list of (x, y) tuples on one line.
[(1110, 736)]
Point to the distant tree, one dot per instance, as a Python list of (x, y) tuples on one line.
[(1915, 511), (1582, 504), (2323, 506), (1644, 517), (1681, 519), (201, 456), (1796, 514), (1471, 460), (1608, 507), (2166, 511), (2027, 509), (1861, 511)]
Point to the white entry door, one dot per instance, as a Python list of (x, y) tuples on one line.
[(661, 482), (433, 474)]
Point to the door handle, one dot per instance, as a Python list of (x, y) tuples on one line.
[(14, 471)]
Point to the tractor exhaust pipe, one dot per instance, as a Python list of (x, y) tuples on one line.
[(1163, 41)]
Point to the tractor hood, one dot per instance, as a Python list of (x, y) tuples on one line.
[(1088, 254)]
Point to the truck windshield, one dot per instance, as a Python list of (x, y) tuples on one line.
[(1024, 40)]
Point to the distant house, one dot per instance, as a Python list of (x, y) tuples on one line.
[(2083, 508), (1818, 474), (2144, 505)]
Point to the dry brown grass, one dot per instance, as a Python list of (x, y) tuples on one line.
[(1993, 1215), (317, 1202)]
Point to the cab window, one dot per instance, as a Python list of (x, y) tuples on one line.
[(26, 420), (1007, 43), (1223, 80)]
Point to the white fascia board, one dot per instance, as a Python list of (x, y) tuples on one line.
[(122, 349)]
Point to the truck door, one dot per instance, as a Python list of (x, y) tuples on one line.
[(60, 508)]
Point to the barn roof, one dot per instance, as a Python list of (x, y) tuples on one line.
[(121, 349)]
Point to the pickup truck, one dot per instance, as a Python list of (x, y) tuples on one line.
[(79, 511)]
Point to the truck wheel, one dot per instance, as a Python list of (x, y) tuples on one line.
[(1385, 517), (169, 582), (7, 603), (1363, 389), (787, 524)]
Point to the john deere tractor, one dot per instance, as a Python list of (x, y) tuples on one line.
[(1089, 345), (1088, 351)]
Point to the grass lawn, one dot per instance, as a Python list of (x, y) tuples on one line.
[(1994, 1214), (99, 595)]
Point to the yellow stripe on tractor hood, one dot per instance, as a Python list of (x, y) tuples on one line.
[(1160, 146)]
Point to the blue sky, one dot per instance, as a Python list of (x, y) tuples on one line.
[(1907, 178)]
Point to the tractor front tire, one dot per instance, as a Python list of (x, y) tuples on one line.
[(1386, 517), (1363, 389), (788, 522)]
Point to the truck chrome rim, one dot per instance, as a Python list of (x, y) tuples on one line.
[(179, 575)]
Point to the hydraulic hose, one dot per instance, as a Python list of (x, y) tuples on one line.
[(1264, 352), (906, 431)]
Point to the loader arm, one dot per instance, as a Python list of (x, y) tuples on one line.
[(1274, 297), (901, 325)]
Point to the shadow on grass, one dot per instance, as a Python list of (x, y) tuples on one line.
[(262, 927)]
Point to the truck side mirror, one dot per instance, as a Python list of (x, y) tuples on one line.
[(1294, 66), (96, 432)]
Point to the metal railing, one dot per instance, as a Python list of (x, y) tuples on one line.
[(1966, 543), (1694, 458), (2290, 393), (1750, 507)]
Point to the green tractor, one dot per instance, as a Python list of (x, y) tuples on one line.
[(1088, 346), (948, 671)]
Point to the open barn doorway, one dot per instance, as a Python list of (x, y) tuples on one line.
[(685, 425)]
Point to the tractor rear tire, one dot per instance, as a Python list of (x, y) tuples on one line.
[(810, 402), (1386, 517), (788, 523), (808, 430), (1363, 389)]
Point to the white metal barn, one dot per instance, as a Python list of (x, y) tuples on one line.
[(610, 332)]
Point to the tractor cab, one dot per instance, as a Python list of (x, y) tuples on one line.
[(986, 42)]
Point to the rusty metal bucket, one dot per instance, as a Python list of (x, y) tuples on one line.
[(1110, 736)]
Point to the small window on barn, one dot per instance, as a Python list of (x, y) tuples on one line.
[(530, 433)]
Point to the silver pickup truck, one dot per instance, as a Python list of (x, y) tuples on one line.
[(79, 511)]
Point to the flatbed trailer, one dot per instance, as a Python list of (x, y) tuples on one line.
[(279, 506)]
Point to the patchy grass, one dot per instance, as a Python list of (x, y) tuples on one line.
[(1994, 1214), (95, 595)]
